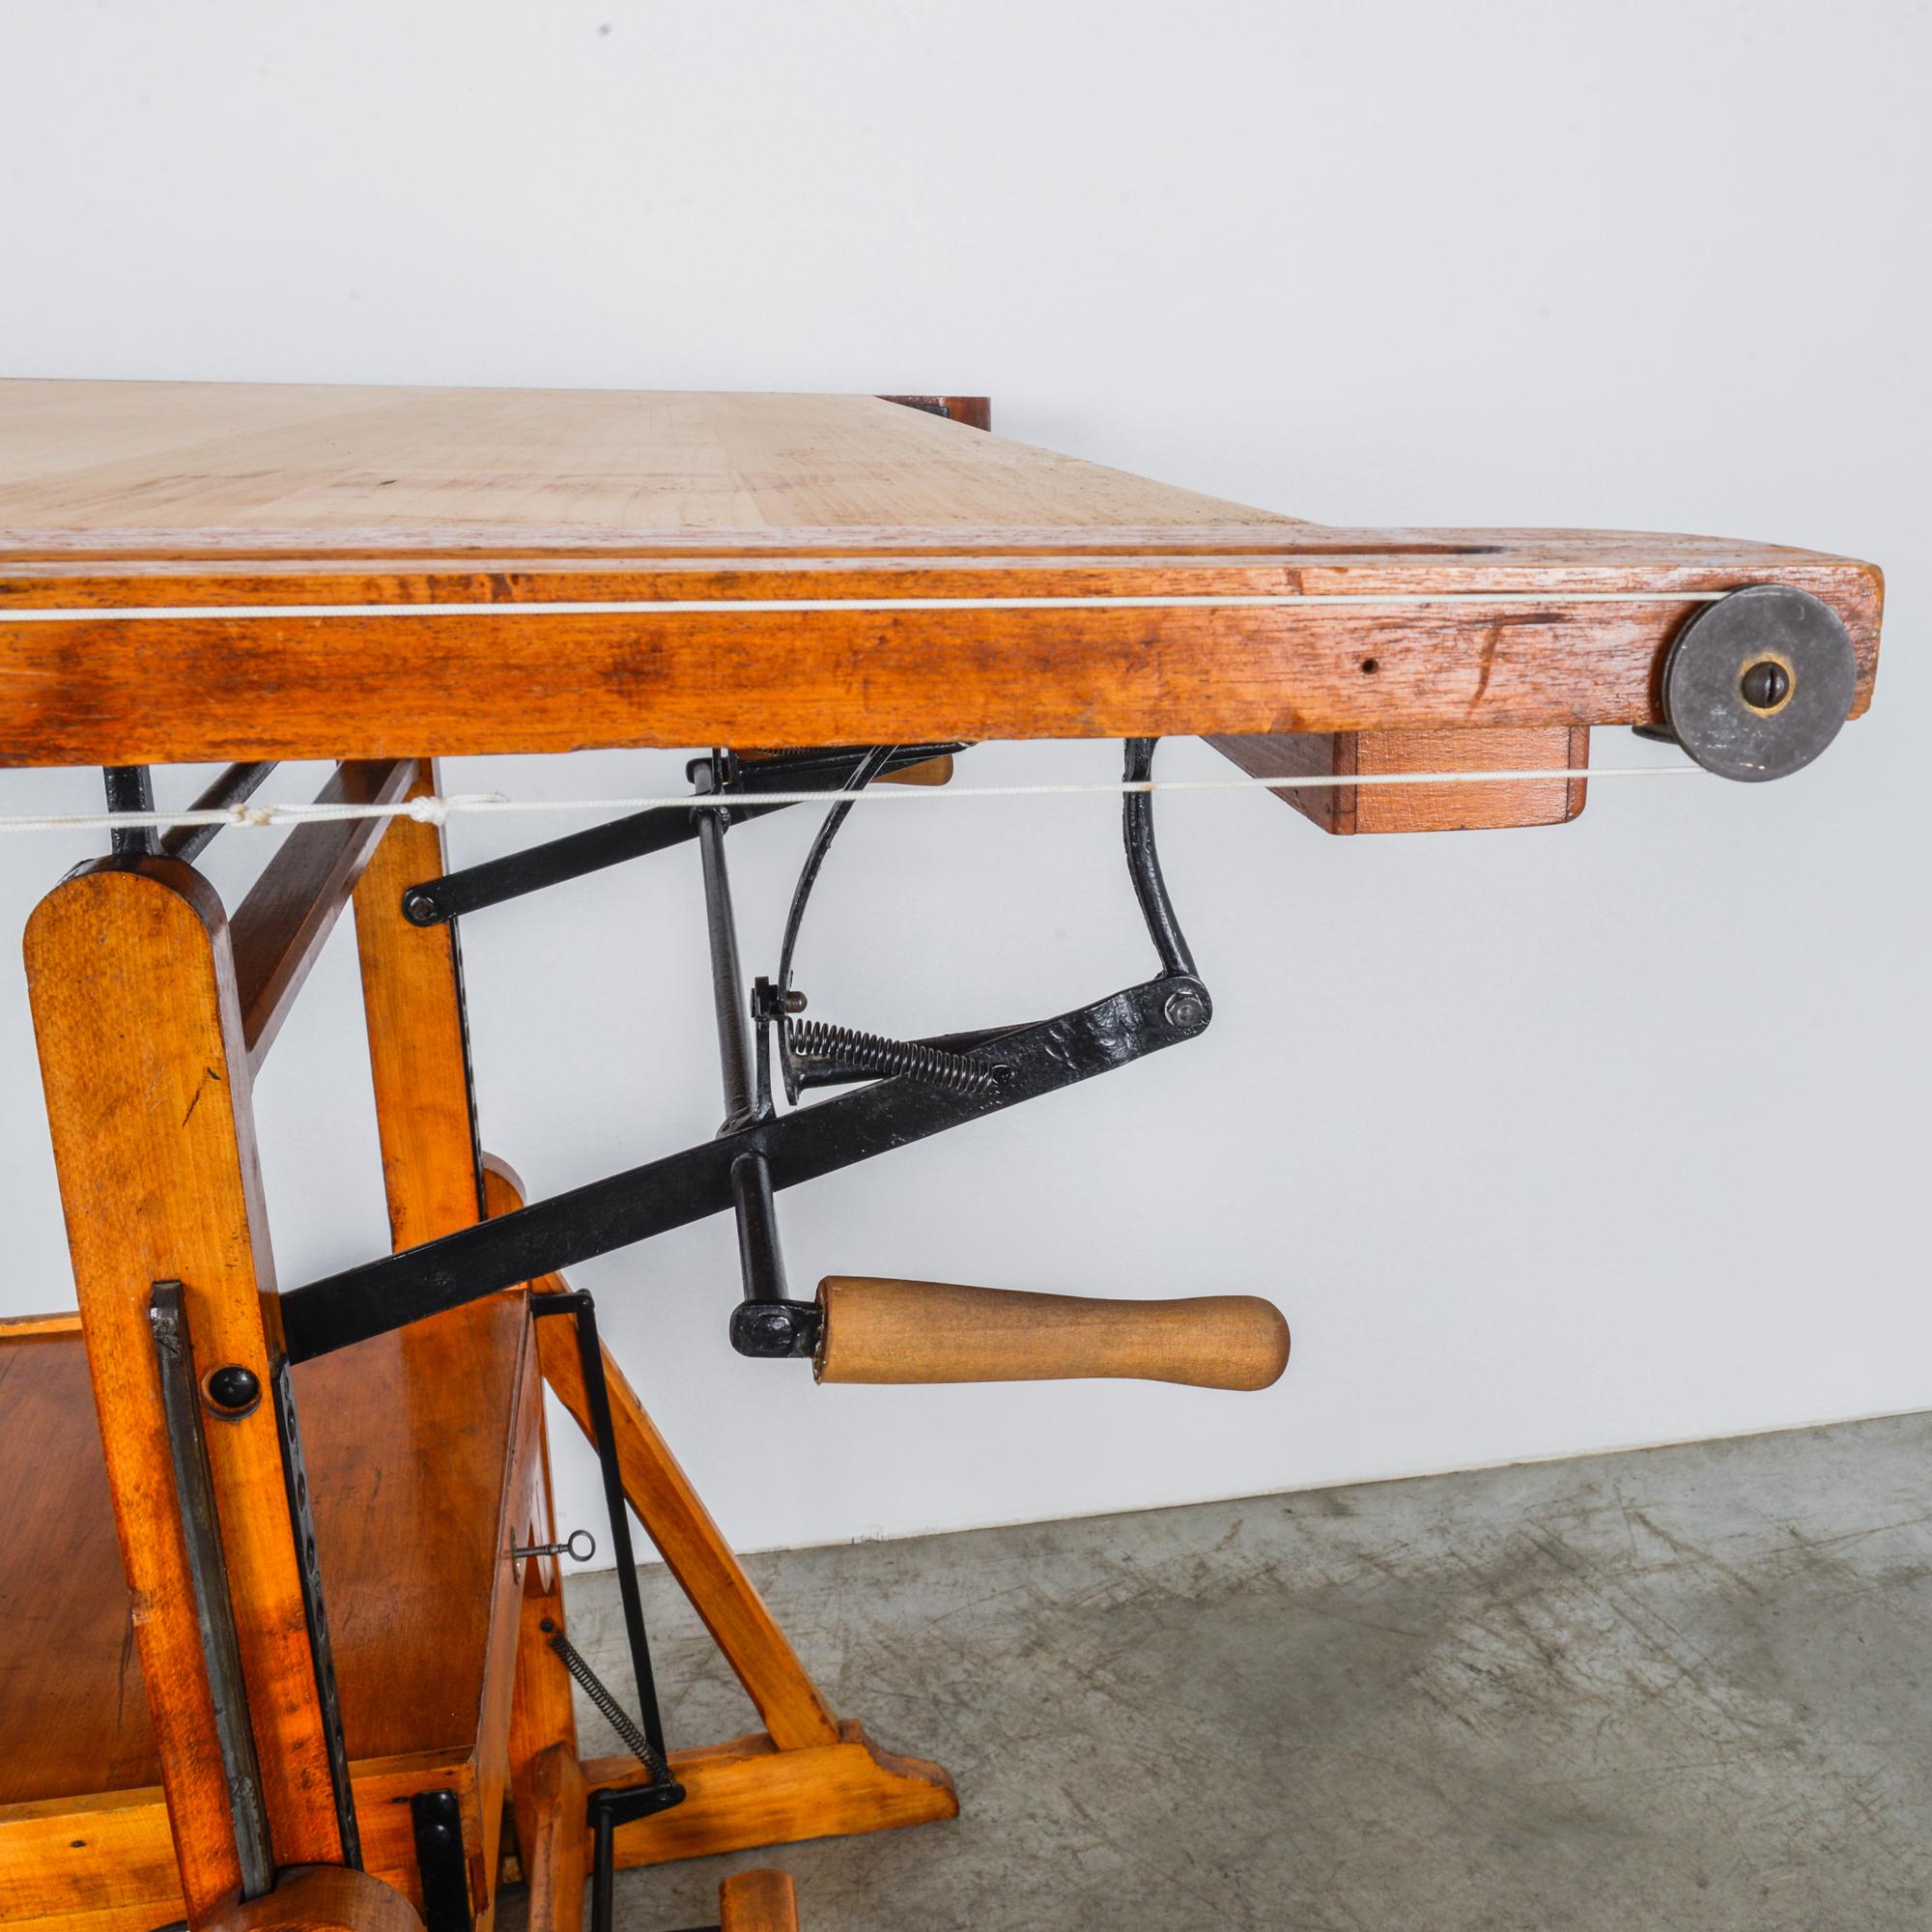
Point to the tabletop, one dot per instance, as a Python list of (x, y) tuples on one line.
[(237, 570)]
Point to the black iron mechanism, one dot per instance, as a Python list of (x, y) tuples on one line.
[(914, 1089), (1756, 684), (436, 1819), (208, 1574), (551, 864)]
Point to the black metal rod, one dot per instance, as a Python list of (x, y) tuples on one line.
[(208, 1574), (472, 887), (760, 1256), (1144, 863), (597, 1399), (730, 1004), (383, 1295), (188, 842), (603, 1868), (131, 788)]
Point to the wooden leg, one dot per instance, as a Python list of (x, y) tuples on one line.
[(757, 1901), (553, 1840), (145, 1064), (419, 1057), (807, 1775)]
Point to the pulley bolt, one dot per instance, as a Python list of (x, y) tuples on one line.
[(234, 1388), (1765, 684), (1184, 1010)]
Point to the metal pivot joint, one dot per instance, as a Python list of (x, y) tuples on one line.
[(1756, 684), (901, 1092)]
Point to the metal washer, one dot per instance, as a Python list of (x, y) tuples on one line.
[(1704, 673)]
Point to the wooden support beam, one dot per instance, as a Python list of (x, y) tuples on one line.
[(280, 926), (749, 1793), (1424, 808), (146, 1072)]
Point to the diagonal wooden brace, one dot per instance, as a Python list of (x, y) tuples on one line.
[(807, 1775)]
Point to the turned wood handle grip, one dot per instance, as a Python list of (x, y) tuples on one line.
[(930, 1331)]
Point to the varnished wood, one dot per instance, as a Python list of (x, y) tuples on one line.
[(749, 1793), (418, 1038), (106, 1863), (411, 1522), (21, 1327), (1446, 808), (147, 1082), (975, 412), (673, 1515), (293, 906), (554, 1841), (757, 1901), (252, 496), (880, 1330), (320, 1898)]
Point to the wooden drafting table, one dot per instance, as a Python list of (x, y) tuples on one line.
[(282, 1633)]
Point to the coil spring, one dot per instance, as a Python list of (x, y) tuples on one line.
[(892, 1059), (614, 1714)]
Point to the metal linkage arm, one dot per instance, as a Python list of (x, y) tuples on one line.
[(389, 1294), (473, 887)]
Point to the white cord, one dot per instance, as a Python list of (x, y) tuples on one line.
[(776, 607), (438, 810)]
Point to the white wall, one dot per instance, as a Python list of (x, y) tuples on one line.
[(1546, 1140)]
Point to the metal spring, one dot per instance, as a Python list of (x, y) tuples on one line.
[(891, 1059), (614, 1714)]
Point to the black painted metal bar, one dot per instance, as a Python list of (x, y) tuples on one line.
[(730, 1003), (383, 1295), (604, 1436), (231, 787), (131, 788), (1144, 863), (208, 1574), (472, 887)]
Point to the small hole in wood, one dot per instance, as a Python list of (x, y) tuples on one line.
[(1370, 665)]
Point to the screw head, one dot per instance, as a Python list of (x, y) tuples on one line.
[(1765, 684), (233, 1388), (1184, 1010), (419, 907)]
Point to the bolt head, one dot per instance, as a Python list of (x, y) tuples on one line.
[(1765, 684), (1185, 1010), (418, 907), (233, 1388)]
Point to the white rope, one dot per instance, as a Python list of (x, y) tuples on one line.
[(774, 606), (438, 811)]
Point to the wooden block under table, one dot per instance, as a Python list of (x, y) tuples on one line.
[(1424, 808), (416, 1486)]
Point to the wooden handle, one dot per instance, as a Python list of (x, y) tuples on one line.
[(930, 1331)]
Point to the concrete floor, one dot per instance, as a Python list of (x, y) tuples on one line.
[(1680, 1688)]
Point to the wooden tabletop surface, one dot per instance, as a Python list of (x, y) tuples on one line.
[(199, 571)]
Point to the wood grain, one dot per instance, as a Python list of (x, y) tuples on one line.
[(757, 1901), (147, 496), (292, 908), (749, 1793), (409, 1522), (930, 1331), (107, 1864), (319, 1898), (553, 1843), (146, 1074), (418, 1038), (1447, 807)]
